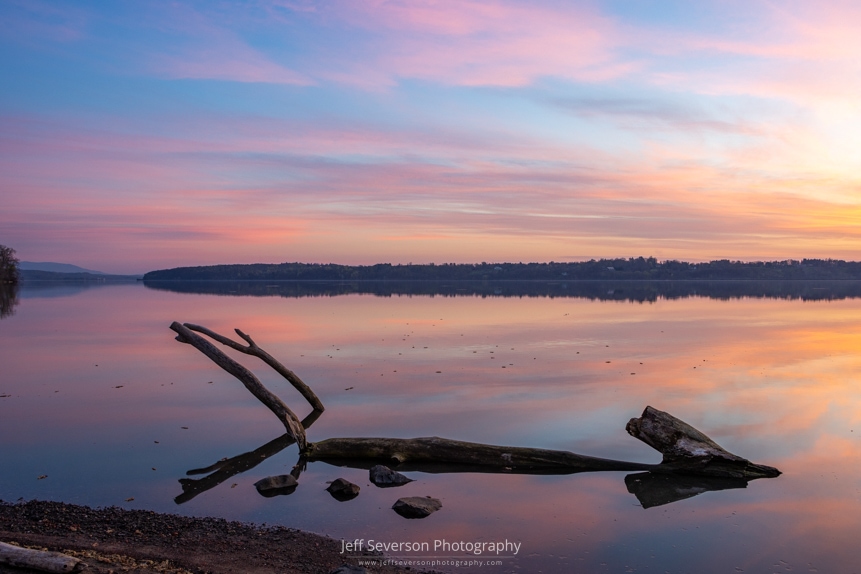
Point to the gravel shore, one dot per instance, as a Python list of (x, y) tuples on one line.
[(114, 540)]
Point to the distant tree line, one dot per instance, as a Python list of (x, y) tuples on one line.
[(639, 268), (8, 265)]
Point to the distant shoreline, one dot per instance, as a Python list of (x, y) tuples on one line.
[(638, 268)]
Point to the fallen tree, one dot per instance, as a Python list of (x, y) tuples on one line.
[(685, 450), (476, 456)]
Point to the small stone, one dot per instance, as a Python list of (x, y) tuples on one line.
[(416, 506), (276, 485), (384, 477), (350, 569), (343, 490)]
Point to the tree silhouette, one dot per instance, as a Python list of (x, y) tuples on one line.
[(8, 265)]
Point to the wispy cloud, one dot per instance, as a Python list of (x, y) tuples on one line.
[(37, 22), (469, 43)]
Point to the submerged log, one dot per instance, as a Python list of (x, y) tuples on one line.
[(688, 451), (287, 417), (39, 559), (437, 450)]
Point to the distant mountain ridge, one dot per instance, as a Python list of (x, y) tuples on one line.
[(54, 267)]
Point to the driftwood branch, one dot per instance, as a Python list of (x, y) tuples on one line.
[(254, 350), (287, 417), (39, 559), (688, 451)]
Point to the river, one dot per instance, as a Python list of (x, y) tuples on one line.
[(99, 405)]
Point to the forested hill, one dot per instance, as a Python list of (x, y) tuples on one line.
[(639, 268)]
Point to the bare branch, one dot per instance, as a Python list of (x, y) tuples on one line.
[(247, 378), (254, 350), (247, 338)]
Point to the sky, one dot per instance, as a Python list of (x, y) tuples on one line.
[(146, 135)]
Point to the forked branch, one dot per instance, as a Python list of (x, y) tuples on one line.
[(287, 417), (253, 349)]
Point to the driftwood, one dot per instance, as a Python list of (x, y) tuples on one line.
[(685, 450), (253, 349), (287, 417), (688, 451), (39, 559), (476, 456)]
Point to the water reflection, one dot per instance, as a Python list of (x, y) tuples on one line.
[(653, 489), (8, 299), (637, 291), (229, 467), (94, 393)]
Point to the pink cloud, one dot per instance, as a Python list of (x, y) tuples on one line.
[(479, 42), (265, 189), (230, 61), (803, 53)]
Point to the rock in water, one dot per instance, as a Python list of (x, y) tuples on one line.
[(275, 485), (384, 477), (416, 506), (343, 490)]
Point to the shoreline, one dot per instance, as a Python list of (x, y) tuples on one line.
[(113, 540)]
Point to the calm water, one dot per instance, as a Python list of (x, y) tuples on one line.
[(96, 394)]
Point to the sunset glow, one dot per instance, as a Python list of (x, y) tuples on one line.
[(150, 135)]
